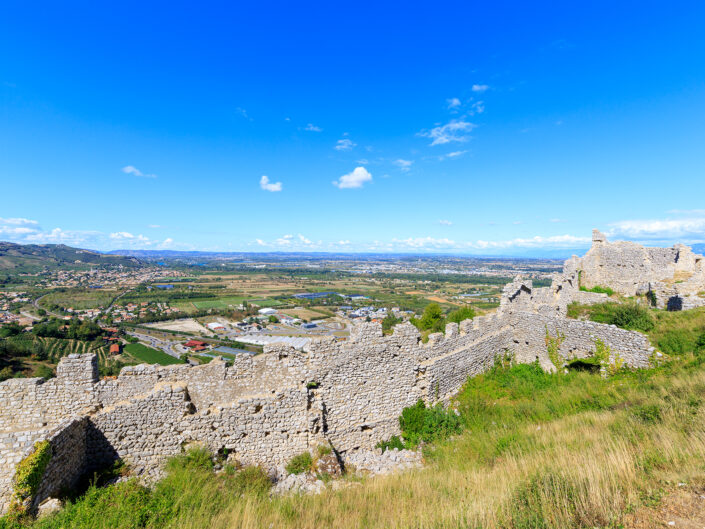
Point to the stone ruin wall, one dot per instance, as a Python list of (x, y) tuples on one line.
[(675, 276), (268, 408)]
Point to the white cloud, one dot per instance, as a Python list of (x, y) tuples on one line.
[(261, 242), (121, 235), (479, 87), (453, 154), (131, 169), (453, 102), (312, 128), (363, 161), (687, 229), (285, 240), (304, 240), (478, 107), (445, 222), (555, 241), (404, 165), (17, 221), (345, 145), (454, 131), (343, 242), (265, 184), (154, 226), (354, 179), (168, 241), (424, 242)]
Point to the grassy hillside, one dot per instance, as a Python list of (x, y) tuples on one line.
[(37, 256), (535, 450)]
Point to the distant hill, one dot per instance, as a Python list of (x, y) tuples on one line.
[(33, 256)]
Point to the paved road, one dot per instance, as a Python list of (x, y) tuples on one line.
[(36, 306)]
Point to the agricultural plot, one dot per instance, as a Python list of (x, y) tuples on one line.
[(79, 299), (231, 302), (145, 354)]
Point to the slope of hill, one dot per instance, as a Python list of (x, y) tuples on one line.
[(34, 256)]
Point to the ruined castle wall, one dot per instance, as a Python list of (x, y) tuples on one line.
[(363, 385), (580, 336), (68, 460)]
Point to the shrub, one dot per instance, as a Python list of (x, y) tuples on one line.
[(300, 464), (252, 480), (421, 424), (461, 314), (197, 458), (627, 316), (393, 442), (28, 476)]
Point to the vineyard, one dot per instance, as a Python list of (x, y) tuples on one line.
[(56, 348)]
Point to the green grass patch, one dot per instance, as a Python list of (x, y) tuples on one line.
[(148, 355)]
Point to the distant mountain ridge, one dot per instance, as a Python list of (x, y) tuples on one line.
[(32, 256)]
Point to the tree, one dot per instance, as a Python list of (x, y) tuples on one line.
[(463, 313), (433, 318)]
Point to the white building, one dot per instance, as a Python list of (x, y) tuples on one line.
[(267, 311)]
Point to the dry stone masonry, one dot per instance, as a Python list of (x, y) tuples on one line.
[(267, 408), (675, 276)]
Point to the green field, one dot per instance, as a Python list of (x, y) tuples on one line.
[(79, 299), (224, 303), (150, 356)]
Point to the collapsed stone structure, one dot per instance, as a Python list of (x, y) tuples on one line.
[(267, 408), (674, 277)]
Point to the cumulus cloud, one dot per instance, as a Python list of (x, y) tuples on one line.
[(424, 242), (313, 128), (265, 184), (685, 229), (17, 221), (479, 87), (345, 145), (304, 240), (453, 103), (121, 235), (404, 165), (456, 130), (132, 170), (354, 179), (445, 222), (344, 242)]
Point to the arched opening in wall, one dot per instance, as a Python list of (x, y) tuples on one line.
[(590, 365), (675, 303)]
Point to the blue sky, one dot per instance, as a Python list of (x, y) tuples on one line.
[(486, 128)]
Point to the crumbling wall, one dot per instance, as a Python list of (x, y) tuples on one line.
[(675, 276), (268, 408)]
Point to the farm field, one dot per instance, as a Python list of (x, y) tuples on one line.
[(231, 302), (185, 325), (145, 354), (304, 314), (79, 299)]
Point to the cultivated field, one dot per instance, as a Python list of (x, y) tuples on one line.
[(143, 354), (185, 325)]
